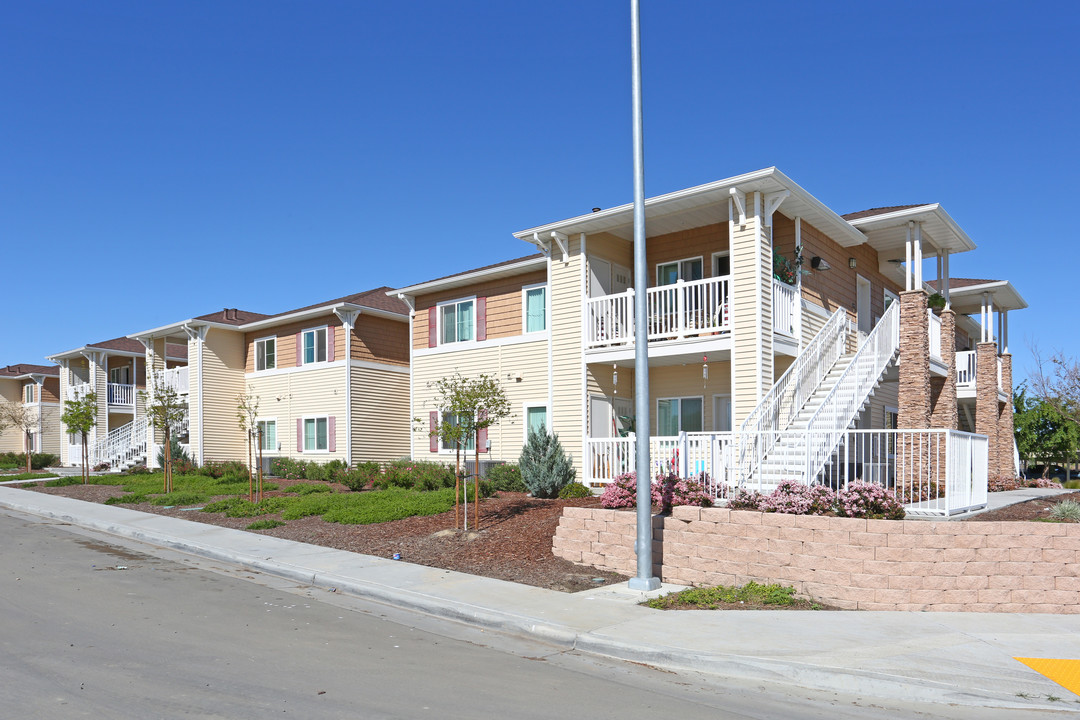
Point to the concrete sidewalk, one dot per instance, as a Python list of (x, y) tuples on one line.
[(958, 658)]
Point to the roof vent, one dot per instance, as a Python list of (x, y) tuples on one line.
[(596, 209)]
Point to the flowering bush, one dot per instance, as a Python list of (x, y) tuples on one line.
[(868, 500), (620, 492), (743, 500), (1044, 483), (797, 499), (1002, 484), (667, 492)]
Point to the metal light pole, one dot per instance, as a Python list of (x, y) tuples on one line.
[(644, 580)]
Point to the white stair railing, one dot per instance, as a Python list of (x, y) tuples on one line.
[(122, 444), (844, 402), (789, 394)]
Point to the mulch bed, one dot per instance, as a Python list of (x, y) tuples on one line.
[(514, 541), (1029, 510)]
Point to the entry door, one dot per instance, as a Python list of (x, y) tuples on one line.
[(599, 277), (862, 307), (600, 425), (722, 413)]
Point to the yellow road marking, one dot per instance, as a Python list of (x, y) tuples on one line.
[(1065, 673)]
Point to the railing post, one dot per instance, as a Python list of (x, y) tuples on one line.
[(680, 307)]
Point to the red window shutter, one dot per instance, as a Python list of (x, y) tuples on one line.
[(482, 434), (299, 349), (299, 435), (331, 434), (481, 319), (432, 328), (433, 423), (330, 344)]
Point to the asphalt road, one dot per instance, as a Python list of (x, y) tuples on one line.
[(97, 627)]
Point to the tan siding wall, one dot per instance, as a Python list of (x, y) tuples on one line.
[(382, 340), (698, 242), (745, 257), (11, 439), (381, 421), (503, 305), (812, 322), (613, 249), (51, 390), (288, 396), (50, 428), (873, 417), (567, 301), (286, 340), (686, 381), (507, 438), (223, 382)]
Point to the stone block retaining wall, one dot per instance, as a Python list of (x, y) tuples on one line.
[(849, 563)]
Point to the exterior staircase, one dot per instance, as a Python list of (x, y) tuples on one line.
[(122, 447), (796, 438)]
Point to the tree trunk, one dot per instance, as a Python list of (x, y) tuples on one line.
[(457, 489), (29, 452), (260, 457), (476, 480), (167, 457), (251, 490)]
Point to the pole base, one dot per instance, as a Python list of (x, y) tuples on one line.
[(645, 584)]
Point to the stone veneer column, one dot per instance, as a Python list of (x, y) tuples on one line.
[(943, 411), (914, 391), (986, 401), (1005, 420)]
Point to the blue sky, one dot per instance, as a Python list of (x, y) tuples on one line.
[(163, 160)]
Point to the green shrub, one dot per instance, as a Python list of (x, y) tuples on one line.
[(178, 498), (63, 481), (1066, 511), (227, 469), (308, 489), (506, 478), (287, 468), (10, 460), (138, 470), (29, 476), (419, 474), (359, 477), (545, 467), (179, 455), (574, 490)]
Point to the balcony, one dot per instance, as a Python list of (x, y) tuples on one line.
[(121, 394), (78, 390), (176, 379), (966, 365)]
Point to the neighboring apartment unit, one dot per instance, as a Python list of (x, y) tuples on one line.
[(37, 388), (331, 379), (751, 378)]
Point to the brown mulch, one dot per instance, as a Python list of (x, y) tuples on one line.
[(1037, 509), (513, 543)]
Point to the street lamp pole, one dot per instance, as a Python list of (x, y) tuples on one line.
[(645, 580)]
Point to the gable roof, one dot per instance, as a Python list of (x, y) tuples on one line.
[(376, 299), (878, 211), (23, 370), (506, 268)]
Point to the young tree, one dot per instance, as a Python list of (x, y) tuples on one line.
[(164, 411), (545, 467), (24, 419), (468, 406), (1042, 433), (80, 417), (1057, 382), (247, 413)]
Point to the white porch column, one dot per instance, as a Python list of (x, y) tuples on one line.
[(907, 259), (944, 289), (918, 257)]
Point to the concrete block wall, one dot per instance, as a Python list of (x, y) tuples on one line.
[(913, 565)]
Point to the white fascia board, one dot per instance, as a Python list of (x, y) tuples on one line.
[(317, 312), (963, 243), (177, 328), (470, 277), (1015, 299)]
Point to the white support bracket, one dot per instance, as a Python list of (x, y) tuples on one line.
[(772, 202), (347, 316), (542, 245), (147, 341), (740, 204), (196, 332), (408, 300), (563, 242)]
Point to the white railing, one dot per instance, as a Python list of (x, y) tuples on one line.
[(999, 385), (783, 310), (122, 445), (853, 387), (674, 311), (74, 392), (789, 394), (965, 370), (121, 394), (176, 378), (931, 472), (934, 326)]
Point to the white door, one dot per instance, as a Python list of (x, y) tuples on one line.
[(600, 425), (862, 306), (722, 413), (599, 277)]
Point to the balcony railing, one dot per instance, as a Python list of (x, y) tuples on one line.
[(121, 394), (966, 366), (784, 317), (934, 327), (78, 390), (932, 472), (176, 378)]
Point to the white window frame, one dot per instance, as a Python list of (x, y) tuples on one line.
[(680, 398), (886, 296), (326, 345), (720, 254), (277, 437), (119, 369), (525, 308), (303, 430), (264, 340), (439, 320), (28, 389), (443, 450), (525, 418), (679, 262)]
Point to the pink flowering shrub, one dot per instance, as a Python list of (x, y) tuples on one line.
[(620, 492), (743, 500), (1002, 484), (1043, 483), (868, 500), (668, 491), (797, 499)]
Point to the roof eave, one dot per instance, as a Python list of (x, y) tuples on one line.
[(470, 277)]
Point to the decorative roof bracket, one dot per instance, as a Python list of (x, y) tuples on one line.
[(563, 242), (772, 202), (740, 204)]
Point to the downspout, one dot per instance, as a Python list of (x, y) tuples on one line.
[(411, 303), (348, 394), (202, 426)]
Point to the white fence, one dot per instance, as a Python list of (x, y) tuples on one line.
[(121, 394), (785, 299), (932, 472)]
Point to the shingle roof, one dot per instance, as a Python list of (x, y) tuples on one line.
[(122, 344), (376, 299), (878, 211), (534, 256), (27, 369), (232, 316)]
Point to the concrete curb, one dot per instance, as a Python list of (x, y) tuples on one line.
[(792, 674)]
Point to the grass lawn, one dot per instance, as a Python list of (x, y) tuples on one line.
[(750, 596)]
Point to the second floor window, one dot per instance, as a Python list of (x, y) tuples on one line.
[(28, 393), (120, 375), (457, 321), (685, 270), (266, 354), (314, 345), (535, 309)]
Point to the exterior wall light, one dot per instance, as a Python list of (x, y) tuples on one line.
[(818, 263), (851, 263)]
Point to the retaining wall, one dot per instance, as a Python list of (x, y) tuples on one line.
[(849, 563)]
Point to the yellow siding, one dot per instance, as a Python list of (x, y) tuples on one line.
[(289, 396), (10, 439), (673, 381), (500, 361), (223, 383), (746, 256), (51, 428), (380, 415), (568, 384)]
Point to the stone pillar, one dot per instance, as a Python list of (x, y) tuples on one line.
[(1005, 420), (914, 395), (986, 401), (943, 411)]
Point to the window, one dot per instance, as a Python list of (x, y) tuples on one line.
[(28, 393), (536, 419), (120, 375), (721, 264), (268, 434), (316, 434), (675, 415), (890, 298), (455, 419), (535, 302), (266, 353), (313, 346), (670, 273), (456, 321)]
